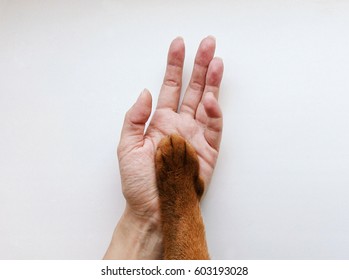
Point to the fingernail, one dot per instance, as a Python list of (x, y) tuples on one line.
[(142, 93), (179, 38), (212, 37)]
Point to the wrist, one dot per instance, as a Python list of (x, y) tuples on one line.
[(136, 237)]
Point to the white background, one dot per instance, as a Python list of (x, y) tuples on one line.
[(69, 70)]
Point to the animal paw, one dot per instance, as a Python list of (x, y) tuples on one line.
[(177, 168)]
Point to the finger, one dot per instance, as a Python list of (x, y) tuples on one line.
[(135, 119), (171, 87), (213, 82), (214, 76), (214, 122), (196, 85)]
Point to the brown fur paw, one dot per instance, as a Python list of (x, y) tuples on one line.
[(177, 168), (180, 189)]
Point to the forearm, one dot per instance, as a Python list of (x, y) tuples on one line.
[(135, 238), (184, 238)]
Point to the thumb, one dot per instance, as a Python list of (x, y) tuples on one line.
[(132, 133)]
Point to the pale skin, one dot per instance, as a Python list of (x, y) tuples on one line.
[(198, 119)]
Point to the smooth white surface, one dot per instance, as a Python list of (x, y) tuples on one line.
[(69, 70)]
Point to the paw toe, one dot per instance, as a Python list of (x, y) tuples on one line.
[(174, 153)]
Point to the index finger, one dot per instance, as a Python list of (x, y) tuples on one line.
[(172, 84)]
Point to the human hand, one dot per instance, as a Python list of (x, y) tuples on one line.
[(198, 119)]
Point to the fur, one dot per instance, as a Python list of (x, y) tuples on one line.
[(180, 189)]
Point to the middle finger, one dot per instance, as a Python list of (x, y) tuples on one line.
[(197, 82)]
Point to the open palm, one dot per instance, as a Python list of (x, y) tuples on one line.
[(198, 119)]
